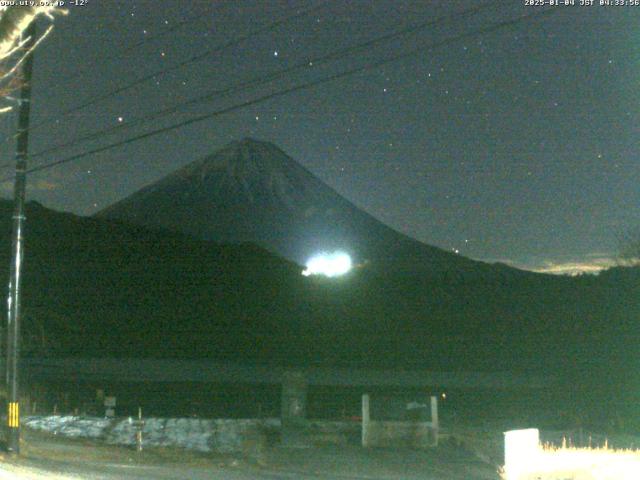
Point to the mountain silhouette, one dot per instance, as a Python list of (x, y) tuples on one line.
[(251, 191)]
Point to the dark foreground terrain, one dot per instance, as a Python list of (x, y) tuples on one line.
[(50, 457), (96, 288)]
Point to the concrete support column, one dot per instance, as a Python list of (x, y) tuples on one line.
[(435, 422), (366, 419), (294, 408)]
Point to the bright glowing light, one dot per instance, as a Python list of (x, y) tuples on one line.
[(521, 452), (328, 264), (526, 459)]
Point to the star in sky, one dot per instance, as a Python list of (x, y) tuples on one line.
[(480, 132)]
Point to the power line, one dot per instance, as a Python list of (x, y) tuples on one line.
[(330, 78), (196, 58), (92, 101), (304, 86), (261, 79), (146, 40)]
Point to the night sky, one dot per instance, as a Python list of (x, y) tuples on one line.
[(518, 145)]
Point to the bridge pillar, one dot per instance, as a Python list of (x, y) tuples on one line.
[(294, 409)]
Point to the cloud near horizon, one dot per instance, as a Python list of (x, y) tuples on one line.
[(593, 264)]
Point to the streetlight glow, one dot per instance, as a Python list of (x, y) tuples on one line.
[(328, 264)]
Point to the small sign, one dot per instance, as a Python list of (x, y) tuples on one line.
[(110, 402)]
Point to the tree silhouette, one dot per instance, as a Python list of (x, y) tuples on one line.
[(629, 247)]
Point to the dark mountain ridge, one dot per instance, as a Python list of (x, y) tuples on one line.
[(96, 288)]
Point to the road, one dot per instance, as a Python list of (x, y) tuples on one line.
[(142, 472), (137, 472), (52, 470), (52, 458)]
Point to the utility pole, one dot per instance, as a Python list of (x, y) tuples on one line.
[(17, 246)]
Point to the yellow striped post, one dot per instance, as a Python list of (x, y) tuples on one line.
[(13, 417)]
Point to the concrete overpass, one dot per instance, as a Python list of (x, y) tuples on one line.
[(211, 371)]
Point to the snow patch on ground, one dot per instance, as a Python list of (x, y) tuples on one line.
[(202, 435), (69, 426)]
